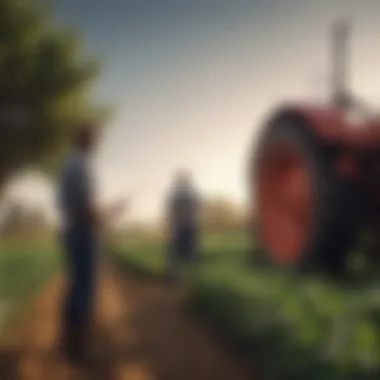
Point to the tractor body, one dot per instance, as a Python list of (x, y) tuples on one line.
[(316, 182)]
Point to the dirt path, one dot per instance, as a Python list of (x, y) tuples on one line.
[(142, 335)]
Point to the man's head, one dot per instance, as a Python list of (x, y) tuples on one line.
[(85, 138), (183, 178)]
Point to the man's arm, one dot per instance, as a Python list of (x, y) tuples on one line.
[(96, 215), (113, 211)]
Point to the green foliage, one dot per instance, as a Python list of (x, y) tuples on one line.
[(304, 326), (25, 266), (44, 86), (293, 327)]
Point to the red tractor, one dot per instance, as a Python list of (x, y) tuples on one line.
[(316, 177)]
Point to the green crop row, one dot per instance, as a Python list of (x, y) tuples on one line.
[(293, 327)]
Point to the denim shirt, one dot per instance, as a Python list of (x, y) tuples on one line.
[(184, 207), (75, 189)]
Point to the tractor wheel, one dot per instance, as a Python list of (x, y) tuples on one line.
[(307, 215)]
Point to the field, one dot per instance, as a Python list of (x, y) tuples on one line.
[(147, 254), (142, 332), (25, 267), (292, 327)]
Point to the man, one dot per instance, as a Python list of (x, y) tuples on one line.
[(183, 223), (82, 222)]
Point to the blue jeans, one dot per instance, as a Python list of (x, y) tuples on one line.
[(182, 249), (80, 248)]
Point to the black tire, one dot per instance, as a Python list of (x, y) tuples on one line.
[(336, 220)]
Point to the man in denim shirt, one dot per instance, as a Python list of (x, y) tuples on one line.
[(80, 231)]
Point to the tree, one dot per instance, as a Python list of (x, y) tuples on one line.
[(44, 88)]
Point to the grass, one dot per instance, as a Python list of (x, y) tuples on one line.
[(294, 327), (148, 255), (25, 267)]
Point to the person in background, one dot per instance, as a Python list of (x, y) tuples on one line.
[(183, 214), (82, 223)]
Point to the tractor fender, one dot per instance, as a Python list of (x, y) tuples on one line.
[(332, 126), (328, 124)]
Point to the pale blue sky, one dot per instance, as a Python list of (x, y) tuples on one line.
[(190, 80)]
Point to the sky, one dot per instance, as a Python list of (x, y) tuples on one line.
[(191, 80)]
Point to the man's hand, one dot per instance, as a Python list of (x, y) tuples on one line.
[(117, 208), (100, 218)]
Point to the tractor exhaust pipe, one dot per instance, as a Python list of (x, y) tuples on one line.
[(340, 93)]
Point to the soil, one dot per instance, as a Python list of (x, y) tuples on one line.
[(142, 334)]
